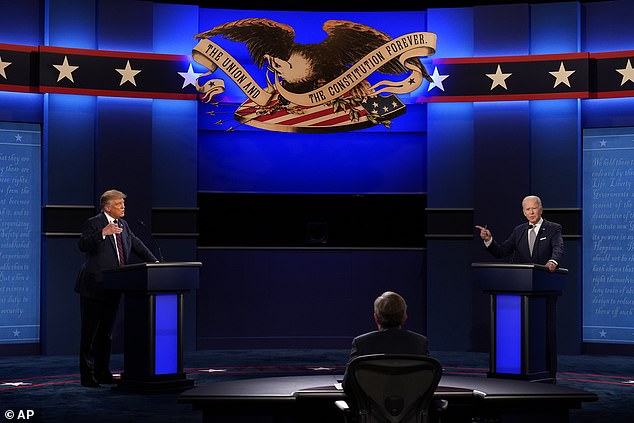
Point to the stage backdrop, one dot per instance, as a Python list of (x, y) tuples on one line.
[(608, 241), (20, 205)]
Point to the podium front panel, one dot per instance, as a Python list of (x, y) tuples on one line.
[(166, 334), (508, 333)]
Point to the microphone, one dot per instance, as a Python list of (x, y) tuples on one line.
[(142, 223)]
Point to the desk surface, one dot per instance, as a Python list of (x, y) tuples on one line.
[(470, 388)]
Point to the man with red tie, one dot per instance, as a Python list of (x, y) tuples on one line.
[(108, 242)]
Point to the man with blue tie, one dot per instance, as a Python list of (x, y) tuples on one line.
[(538, 241), (108, 243)]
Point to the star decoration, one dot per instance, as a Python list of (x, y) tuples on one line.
[(3, 66), (603, 143), (603, 333), (498, 78), (128, 74), (562, 75), (190, 76), (18, 137), (66, 70), (16, 333), (438, 78), (627, 72)]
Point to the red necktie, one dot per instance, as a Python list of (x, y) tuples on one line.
[(117, 237)]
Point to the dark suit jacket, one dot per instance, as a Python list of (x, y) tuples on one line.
[(549, 244), (388, 341), (101, 254)]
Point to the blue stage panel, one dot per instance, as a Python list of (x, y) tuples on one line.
[(508, 334), (166, 334)]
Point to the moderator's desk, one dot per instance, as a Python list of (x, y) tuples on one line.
[(311, 399)]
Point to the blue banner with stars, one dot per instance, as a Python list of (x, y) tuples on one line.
[(533, 77)]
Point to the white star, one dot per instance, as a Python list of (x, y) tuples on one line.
[(18, 137), (498, 78), (603, 143), (3, 66), (627, 72), (190, 76), (438, 78), (15, 383), (128, 74), (16, 333), (65, 70), (602, 333), (562, 75)]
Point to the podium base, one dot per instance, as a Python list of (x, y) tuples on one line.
[(149, 386)]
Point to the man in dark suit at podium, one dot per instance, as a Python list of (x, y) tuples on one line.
[(108, 243), (538, 241)]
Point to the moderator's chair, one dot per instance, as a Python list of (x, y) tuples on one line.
[(394, 388)]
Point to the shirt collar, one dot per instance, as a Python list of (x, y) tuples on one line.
[(110, 218), (538, 224)]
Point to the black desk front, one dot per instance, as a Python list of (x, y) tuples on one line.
[(311, 399)]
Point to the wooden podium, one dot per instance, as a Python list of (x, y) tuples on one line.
[(523, 319), (153, 323)]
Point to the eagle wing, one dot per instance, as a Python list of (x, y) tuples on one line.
[(348, 42), (261, 37)]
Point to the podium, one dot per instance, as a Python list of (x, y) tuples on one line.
[(523, 301), (153, 323)]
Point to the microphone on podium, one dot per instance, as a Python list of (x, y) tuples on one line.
[(142, 223)]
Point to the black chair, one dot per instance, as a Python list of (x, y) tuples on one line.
[(394, 388)]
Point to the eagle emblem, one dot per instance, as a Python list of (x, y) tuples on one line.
[(321, 87)]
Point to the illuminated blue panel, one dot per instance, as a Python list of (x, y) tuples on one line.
[(508, 334), (20, 214), (174, 28), (166, 334), (125, 25), (607, 112), (454, 28), (375, 160), (71, 23), (21, 22), (21, 107), (555, 28), (608, 212), (70, 139), (501, 30), (307, 163), (608, 26), (554, 141), (174, 152), (450, 150)]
